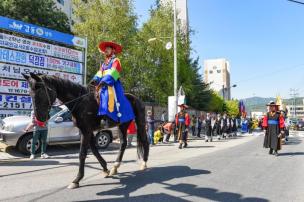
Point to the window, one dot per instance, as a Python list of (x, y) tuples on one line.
[(214, 67), (67, 116), (218, 71), (61, 2), (210, 72)]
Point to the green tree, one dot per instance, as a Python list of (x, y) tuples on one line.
[(232, 107), (38, 12), (216, 103), (158, 61)]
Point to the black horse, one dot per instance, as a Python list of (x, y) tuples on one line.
[(82, 104)]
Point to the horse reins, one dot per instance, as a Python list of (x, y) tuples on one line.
[(65, 103)]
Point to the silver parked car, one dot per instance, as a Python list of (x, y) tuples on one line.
[(61, 130)]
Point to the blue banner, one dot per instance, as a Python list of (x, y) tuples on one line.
[(41, 32), (40, 61)]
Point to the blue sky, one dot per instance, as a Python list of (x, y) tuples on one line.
[(262, 39)]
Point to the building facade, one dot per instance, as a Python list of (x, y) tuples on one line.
[(65, 6), (295, 111), (182, 12), (217, 74)]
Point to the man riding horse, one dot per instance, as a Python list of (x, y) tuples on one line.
[(113, 102)]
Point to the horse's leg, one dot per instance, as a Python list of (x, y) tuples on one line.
[(84, 144), (102, 162), (123, 144)]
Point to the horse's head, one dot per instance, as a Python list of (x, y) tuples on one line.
[(43, 96)]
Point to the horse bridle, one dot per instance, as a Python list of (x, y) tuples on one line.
[(47, 95), (65, 103)]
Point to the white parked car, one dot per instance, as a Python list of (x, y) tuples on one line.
[(61, 130)]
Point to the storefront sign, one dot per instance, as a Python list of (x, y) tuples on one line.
[(15, 72), (28, 45), (40, 61)]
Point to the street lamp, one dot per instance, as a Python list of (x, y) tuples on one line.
[(169, 46), (223, 89)]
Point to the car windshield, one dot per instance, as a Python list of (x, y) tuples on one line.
[(54, 110)]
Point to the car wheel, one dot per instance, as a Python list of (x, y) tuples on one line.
[(102, 140), (25, 144)]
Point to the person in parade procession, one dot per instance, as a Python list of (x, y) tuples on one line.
[(182, 122), (208, 125), (233, 126), (218, 127), (244, 124), (273, 125), (113, 102), (224, 126)]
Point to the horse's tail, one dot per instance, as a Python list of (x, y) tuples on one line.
[(142, 139)]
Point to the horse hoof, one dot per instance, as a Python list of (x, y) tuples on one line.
[(143, 167), (113, 172), (105, 173), (73, 185)]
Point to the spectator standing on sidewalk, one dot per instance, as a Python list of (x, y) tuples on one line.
[(163, 117), (150, 127), (40, 131), (199, 126), (193, 124), (131, 132)]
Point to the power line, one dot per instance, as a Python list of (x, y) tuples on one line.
[(298, 2)]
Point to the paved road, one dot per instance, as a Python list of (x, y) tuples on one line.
[(242, 171)]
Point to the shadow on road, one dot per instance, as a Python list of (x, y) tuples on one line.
[(131, 182), (293, 141), (57, 150), (208, 146), (291, 154)]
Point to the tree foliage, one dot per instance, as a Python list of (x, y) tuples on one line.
[(43, 13), (216, 103), (232, 107), (147, 66)]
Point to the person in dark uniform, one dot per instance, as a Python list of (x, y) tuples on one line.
[(225, 126), (217, 126), (182, 122), (208, 126), (233, 126), (273, 124)]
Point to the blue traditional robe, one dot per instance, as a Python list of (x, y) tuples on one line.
[(113, 102)]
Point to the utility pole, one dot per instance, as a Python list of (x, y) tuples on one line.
[(223, 89), (294, 94), (175, 53)]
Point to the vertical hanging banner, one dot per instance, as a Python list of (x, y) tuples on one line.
[(26, 48)]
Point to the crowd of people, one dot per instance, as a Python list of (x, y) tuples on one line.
[(207, 126)]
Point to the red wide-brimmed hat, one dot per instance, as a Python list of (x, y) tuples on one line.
[(272, 103), (184, 106), (102, 46)]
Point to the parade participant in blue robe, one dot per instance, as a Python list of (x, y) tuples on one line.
[(113, 102)]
